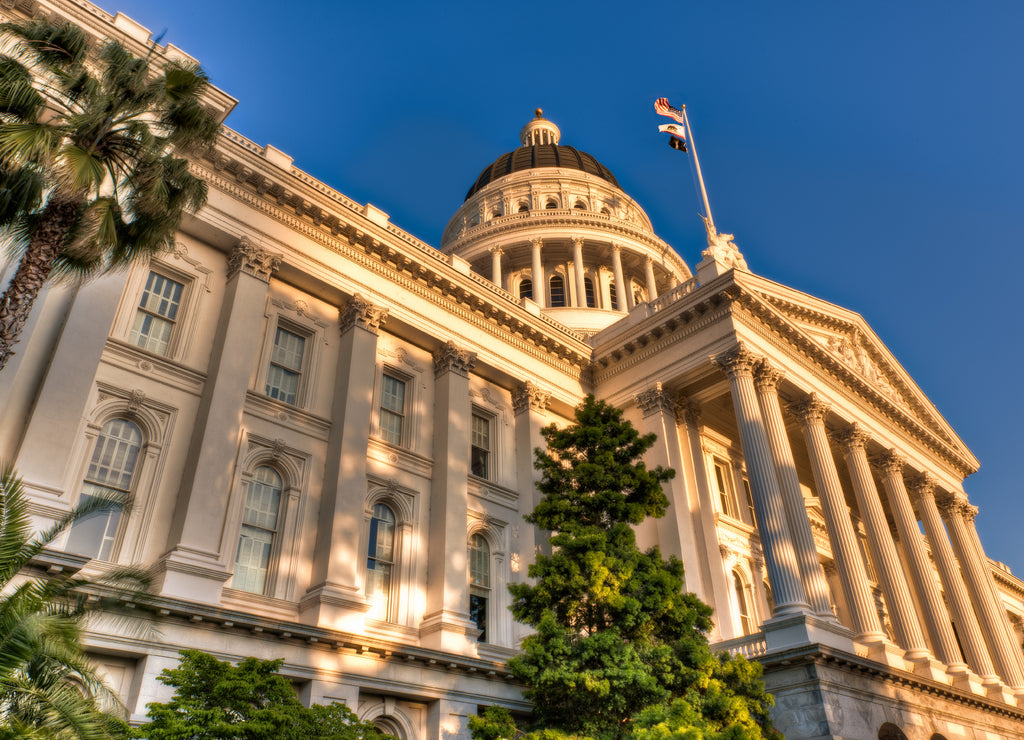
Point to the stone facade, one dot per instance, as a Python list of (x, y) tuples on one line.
[(326, 427)]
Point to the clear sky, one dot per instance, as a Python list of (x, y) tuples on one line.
[(868, 153)]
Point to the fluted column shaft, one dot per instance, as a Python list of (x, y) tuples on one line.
[(622, 294), (811, 573), (780, 559), (845, 551), (652, 286), (963, 613), (496, 253), (954, 508), (540, 285), (577, 261), (883, 550), (933, 610)]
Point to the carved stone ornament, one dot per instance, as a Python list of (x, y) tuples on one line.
[(956, 504), (277, 449), (360, 312), (891, 463), (537, 242), (136, 400), (737, 361), (688, 411), (853, 437), (766, 377), (529, 396), (722, 248), (450, 358), (655, 399), (252, 260), (922, 486), (851, 351), (810, 408)]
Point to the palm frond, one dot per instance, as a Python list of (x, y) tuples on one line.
[(28, 142)]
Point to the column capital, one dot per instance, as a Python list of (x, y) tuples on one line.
[(536, 242), (655, 399), (449, 358), (360, 312), (737, 362), (496, 250), (577, 241), (253, 260), (688, 411), (891, 463), (922, 486), (529, 397), (853, 438), (767, 377), (810, 408), (956, 504), (616, 248)]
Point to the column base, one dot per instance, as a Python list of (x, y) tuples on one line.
[(888, 654), (190, 576), (335, 607), (928, 667), (449, 631), (996, 689), (791, 630)]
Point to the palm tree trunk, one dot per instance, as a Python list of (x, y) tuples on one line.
[(36, 265)]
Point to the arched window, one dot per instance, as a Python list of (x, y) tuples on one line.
[(526, 288), (556, 293), (496, 213), (551, 204), (259, 527), (743, 603), (109, 476), (380, 560), (588, 288), (614, 296), (523, 207), (389, 727), (580, 206), (479, 582)]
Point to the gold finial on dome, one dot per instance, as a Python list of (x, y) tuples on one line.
[(539, 131)]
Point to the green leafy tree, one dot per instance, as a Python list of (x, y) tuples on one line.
[(48, 688), (88, 178), (214, 699), (620, 647)]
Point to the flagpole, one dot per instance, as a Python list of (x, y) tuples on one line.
[(696, 161)]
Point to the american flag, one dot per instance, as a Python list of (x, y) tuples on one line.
[(662, 108)]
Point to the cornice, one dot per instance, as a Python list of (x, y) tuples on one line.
[(425, 272)]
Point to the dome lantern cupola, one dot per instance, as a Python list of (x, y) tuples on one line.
[(539, 131)]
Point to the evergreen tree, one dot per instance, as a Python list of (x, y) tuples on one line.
[(621, 648), (214, 699)]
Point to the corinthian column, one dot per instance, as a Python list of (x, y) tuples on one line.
[(955, 511), (623, 300), (963, 614), (577, 261), (883, 550), (766, 379), (845, 551), (783, 570), (652, 286), (540, 285), (496, 253), (934, 612)]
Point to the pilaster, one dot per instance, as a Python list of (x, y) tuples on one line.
[(335, 599), (195, 567)]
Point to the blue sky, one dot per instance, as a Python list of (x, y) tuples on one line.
[(867, 153)]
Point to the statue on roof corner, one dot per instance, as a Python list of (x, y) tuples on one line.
[(722, 248)]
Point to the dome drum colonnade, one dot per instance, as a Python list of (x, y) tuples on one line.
[(796, 577)]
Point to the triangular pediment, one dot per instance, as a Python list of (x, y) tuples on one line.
[(844, 337)]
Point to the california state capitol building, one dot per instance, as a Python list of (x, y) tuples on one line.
[(326, 427)]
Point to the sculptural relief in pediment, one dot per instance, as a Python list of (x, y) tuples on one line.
[(850, 350)]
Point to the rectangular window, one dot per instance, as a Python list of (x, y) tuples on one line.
[(750, 500), (392, 409), (285, 366), (156, 314), (725, 492), (480, 446)]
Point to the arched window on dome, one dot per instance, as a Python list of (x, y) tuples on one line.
[(588, 289), (523, 207), (259, 529), (110, 475), (580, 205), (551, 204), (605, 211), (556, 292), (496, 213), (526, 288)]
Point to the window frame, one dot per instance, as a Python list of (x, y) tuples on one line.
[(273, 554), (564, 300), (490, 461), (408, 384), (127, 491), (477, 590), (387, 609), (158, 318), (306, 367), (745, 617), (721, 475)]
